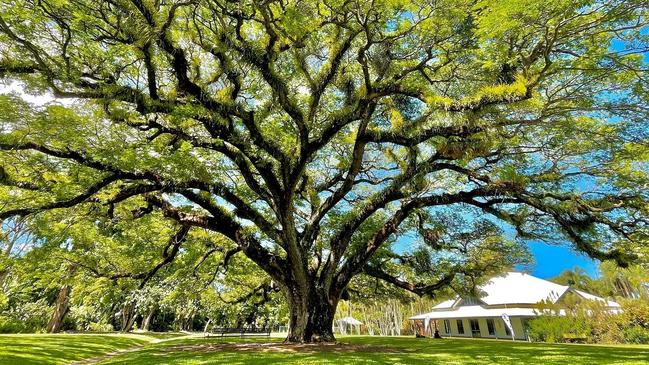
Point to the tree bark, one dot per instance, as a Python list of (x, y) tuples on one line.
[(3, 275), (207, 326), (311, 316), (146, 322), (60, 309), (128, 317), (129, 324), (188, 321)]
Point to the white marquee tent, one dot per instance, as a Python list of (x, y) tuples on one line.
[(348, 323)]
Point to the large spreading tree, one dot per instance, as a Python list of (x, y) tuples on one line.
[(320, 136)]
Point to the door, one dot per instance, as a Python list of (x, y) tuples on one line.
[(475, 327)]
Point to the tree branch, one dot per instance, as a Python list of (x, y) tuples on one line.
[(417, 288)]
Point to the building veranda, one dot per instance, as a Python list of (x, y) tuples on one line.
[(513, 297)]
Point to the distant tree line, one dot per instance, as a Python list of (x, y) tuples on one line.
[(53, 285)]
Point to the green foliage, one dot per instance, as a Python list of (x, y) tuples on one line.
[(84, 253), (636, 334), (13, 325), (579, 279), (634, 321), (558, 329), (25, 317), (590, 321)]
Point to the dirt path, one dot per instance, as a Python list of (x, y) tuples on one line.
[(98, 359), (285, 347), (244, 347)]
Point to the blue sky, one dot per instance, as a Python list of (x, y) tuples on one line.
[(551, 260)]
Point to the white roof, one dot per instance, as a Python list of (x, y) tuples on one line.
[(520, 288), (350, 320), (445, 305), (420, 316), (475, 311), (585, 295), (514, 293)]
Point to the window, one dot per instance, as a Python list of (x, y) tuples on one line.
[(526, 327), (447, 326), (491, 327), (460, 327), (475, 327), (507, 331)]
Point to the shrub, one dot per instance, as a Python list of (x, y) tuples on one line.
[(34, 314), (636, 312), (557, 328), (636, 334), (11, 325), (634, 321), (27, 317), (591, 320), (100, 327), (606, 328)]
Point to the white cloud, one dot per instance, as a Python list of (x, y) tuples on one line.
[(42, 99)]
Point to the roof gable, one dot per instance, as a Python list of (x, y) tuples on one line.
[(517, 288), (447, 304), (587, 296), (520, 288)]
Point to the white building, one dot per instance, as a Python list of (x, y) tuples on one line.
[(513, 296)]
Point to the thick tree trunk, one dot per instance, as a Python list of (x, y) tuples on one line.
[(3, 275), (128, 317), (311, 316), (60, 309), (207, 326), (146, 322), (129, 324), (188, 323)]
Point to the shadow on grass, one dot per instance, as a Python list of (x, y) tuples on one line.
[(59, 349), (413, 351)]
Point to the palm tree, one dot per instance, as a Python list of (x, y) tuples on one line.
[(579, 279)]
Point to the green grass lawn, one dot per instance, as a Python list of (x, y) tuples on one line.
[(55, 349), (63, 348)]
